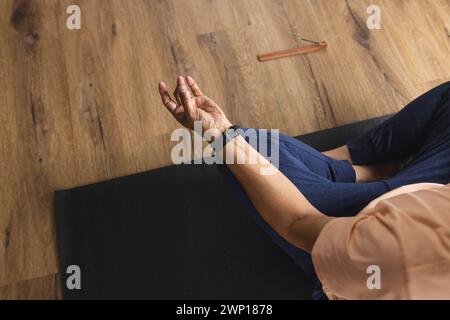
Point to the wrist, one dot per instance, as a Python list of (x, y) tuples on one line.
[(229, 134), (225, 126)]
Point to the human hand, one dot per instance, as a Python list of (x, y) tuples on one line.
[(190, 107)]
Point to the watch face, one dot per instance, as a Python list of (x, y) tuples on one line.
[(230, 134)]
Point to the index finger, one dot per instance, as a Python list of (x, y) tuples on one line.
[(194, 87), (186, 99)]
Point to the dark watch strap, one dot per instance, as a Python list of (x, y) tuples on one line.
[(230, 134)]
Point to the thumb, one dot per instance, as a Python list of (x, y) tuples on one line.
[(186, 99)]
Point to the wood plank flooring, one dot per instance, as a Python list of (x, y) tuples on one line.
[(81, 106)]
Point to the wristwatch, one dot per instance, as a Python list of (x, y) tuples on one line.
[(229, 134)]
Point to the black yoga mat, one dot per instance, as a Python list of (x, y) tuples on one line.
[(175, 233)]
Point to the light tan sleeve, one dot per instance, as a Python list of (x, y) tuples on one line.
[(348, 252), (407, 237)]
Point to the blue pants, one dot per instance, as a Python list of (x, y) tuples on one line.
[(419, 134)]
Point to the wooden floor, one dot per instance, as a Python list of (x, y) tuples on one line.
[(82, 106)]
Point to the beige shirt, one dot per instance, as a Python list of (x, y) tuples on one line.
[(401, 239)]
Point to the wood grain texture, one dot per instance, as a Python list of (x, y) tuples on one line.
[(44, 288), (82, 106)]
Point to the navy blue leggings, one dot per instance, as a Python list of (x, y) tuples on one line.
[(419, 134)]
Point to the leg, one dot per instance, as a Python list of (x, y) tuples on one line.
[(431, 163), (402, 135)]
